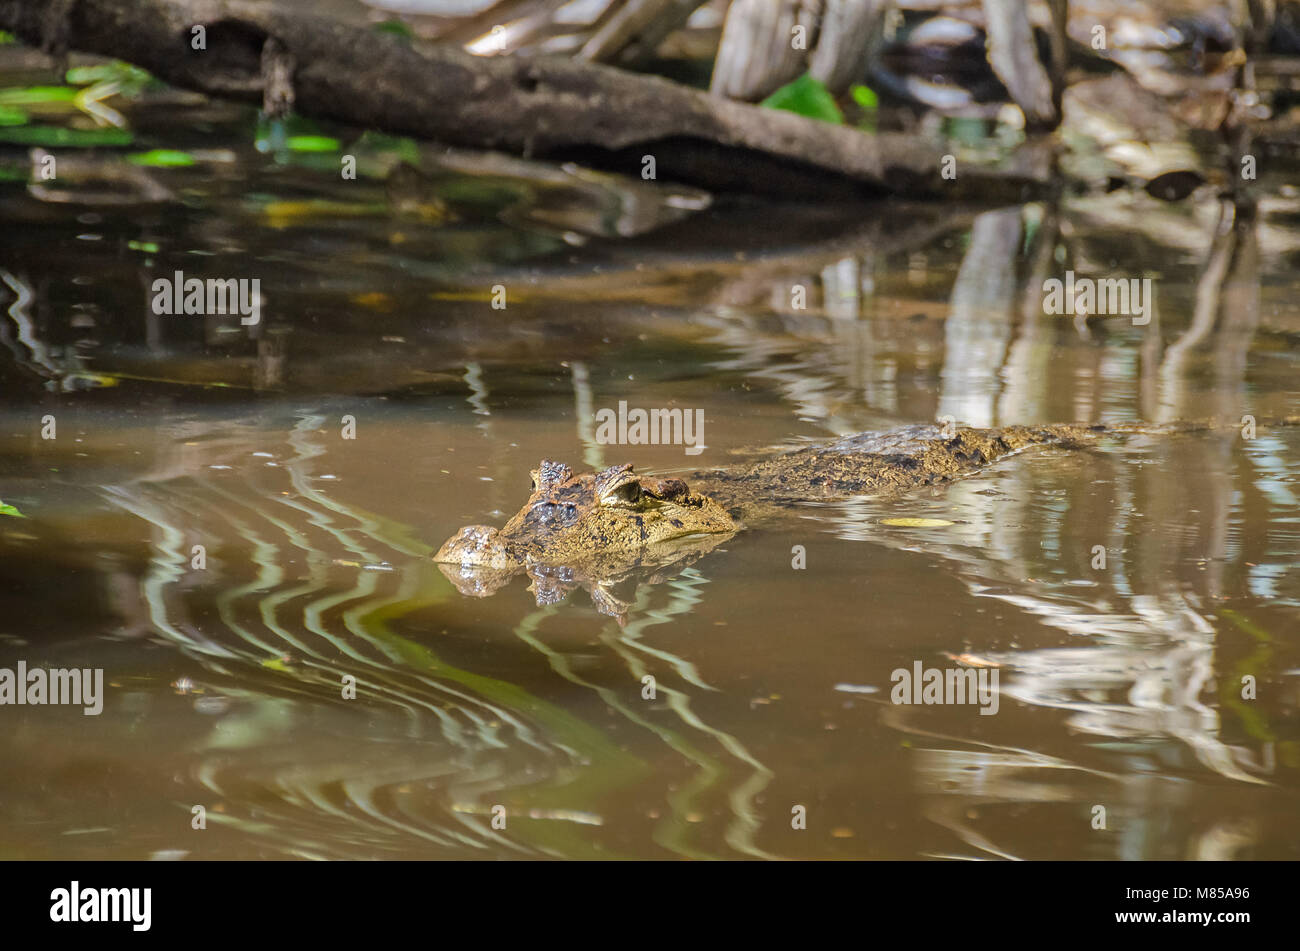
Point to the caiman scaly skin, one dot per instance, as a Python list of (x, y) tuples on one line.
[(593, 529), (881, 464), (586, 530)]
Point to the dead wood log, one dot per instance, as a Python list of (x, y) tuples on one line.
[(1014, 57), (632, 34), (542, 107), (767, 43)]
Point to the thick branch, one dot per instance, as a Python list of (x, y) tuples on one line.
[(1014, 57), (542, 107)]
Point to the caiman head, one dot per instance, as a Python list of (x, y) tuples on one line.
[(590, 530)]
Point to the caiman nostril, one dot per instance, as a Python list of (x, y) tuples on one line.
[(474, 545)]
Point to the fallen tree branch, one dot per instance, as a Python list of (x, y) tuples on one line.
[(635, 32), (542, 107), (1014, 57)]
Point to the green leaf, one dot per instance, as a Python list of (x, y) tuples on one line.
[(11, 116), (162, 158), (865, 97), (86, 75), (408, 150), (56, 137), (117, 71), (807, 97), (37, 95), (312, 143), (6, 509), (395, 28)]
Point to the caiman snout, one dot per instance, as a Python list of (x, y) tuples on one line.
[(478, 546)]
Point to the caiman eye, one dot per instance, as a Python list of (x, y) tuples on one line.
[(628, 493), (532, 480)]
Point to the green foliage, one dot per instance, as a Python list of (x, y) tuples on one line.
[(7, 509), (37, 95), (51, 136), (312, 143), (130, 79), (807, 97), (85, 87), (293, 134), (406, 149), (162, 158), (865, 97), (395, 28), (868, 103)]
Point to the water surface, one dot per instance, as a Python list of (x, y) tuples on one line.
[(1120, 685)]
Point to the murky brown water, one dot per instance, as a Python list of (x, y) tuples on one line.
[(1120, 685)]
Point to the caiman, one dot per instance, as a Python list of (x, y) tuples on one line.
[(595, 528)]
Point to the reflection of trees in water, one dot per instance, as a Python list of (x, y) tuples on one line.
[(1170, 520), (852, 357), (1223, 323), (865, 351), (977, 330), (302, 588), (686, 733), (1175, 545), (810, 322), (299, 613), (1143, 680), (20, 334)]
